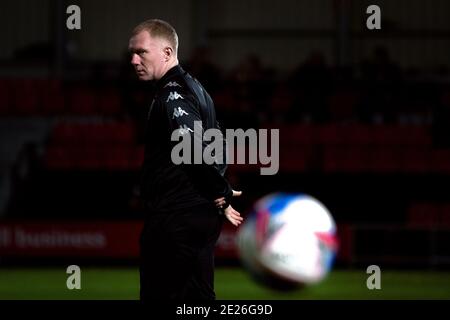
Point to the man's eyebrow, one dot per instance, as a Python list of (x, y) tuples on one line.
[(136, 50)]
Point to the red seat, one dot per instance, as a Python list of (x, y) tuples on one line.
[(93, 157), (389, 135), (123, 133), (93, 133), (53, 102), (81, 101), (423, 215), (329, 134), (397, 135), (136, 157), (108, 103), (88, 157), (5, 97), (346, 159), (295, 160), (224, 100), (444, 219), (99, 133), (298, 135), (385, 160), (70, 134), (58, 157), (415, 160), (332, 159), (116, 157), (356, 159), (63, 133), (417, 136), (342, 105), (282, 100), (440, 161), (26, 94), (356, 135), (445, 98)]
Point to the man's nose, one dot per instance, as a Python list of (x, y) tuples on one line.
[(135, 59)]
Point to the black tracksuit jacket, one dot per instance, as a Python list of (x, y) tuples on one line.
[(179, 101)]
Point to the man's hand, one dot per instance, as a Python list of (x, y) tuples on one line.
[(233, 216), (220, 202)]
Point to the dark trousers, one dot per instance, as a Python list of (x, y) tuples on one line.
[(177, 254)]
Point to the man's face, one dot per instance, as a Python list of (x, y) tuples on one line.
[(147, 55)]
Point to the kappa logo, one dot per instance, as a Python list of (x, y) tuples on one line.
[(174, 96), (178, 112), (172, 84), (184, 129)]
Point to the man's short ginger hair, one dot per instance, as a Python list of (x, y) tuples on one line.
[(159, 29)]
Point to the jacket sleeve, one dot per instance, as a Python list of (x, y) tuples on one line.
[(187, 130)]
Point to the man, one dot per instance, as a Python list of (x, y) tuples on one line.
[(183, 202)]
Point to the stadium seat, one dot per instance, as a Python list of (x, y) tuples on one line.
[(342, 105), (81, 101), (423, 215), (417, 136), (415, 160), (281, 101), (445, 98), (100, 133), (224, 100), (356, 135), (444, 219), (93, 146), (346, 159), (88, 157), (58, 157), (330, 134), (356, 159), (66, 134), (53, 101), (440, 161), (93, 133), (93, 157), (26, 93), (116, 158), (389, 135), (136, 157), (295, 160), (332, 157), (124, 133), (398, 135), (385, 159), (108, 103), (5, 98), (298, 135)]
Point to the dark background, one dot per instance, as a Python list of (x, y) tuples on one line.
[(364, 115)]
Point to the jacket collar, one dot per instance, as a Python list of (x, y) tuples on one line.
[(176, 70)]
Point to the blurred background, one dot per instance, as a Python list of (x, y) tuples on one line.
[(364, 119)]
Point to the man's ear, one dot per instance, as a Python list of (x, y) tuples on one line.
[(168, 52)]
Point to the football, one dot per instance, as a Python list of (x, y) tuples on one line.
[(288, 241)]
